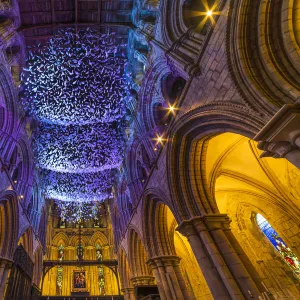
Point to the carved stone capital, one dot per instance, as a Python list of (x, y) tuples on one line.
[(127, 290), (206, 222), (216, 221), (163, 261), (142, 280), (187, 229), (280, 138)]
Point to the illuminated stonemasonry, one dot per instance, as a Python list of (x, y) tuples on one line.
[(203, 203)]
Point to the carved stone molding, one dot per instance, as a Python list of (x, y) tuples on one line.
[(207, 222), (142, 280), (280, 138)]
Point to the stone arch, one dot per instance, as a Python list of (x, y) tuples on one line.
[(10, 220), (98, 238), (167, 246), (124, 270), (138, 258), (187, 141), (272, 80), (26, 158), (13, 159), (61, 236), (159, 114), (242, 184), (138, 160), (155, 230), (17, 173), (7, 90), (74, 241), (151, 92), (271, 267), (172, 87), (38, 266), (175, 25), (26, 240), (3, 117)]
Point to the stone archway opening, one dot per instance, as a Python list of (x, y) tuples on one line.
[(245, 186), (172, 257)]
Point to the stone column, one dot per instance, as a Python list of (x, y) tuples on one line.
[(167, 272), (222, 267), (210, 273), (159, 281), (128, 293)]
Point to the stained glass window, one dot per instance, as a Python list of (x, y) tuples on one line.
[(289, 257)]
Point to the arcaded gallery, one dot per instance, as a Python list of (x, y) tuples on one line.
[(149, 149)]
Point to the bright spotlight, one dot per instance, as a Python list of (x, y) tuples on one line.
[(171, 108), (159, 139), (209, 13)]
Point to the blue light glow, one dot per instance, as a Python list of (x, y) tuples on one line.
[(77, 87)]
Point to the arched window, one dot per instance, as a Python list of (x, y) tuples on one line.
[(172, 87), (289, 257)]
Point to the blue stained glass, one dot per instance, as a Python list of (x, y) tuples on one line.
[(268, 230), (289, 257)]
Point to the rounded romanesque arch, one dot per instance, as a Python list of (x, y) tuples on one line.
[(155, 229), (175, 25), (187, 141), (272, 80), (245, 185), (170, 250)]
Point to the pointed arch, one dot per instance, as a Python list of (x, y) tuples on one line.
[(10, 221), (156, 229), (61, 236), (137, 254), (98, 238), (26, 240), (74, 241), (124, 270)]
